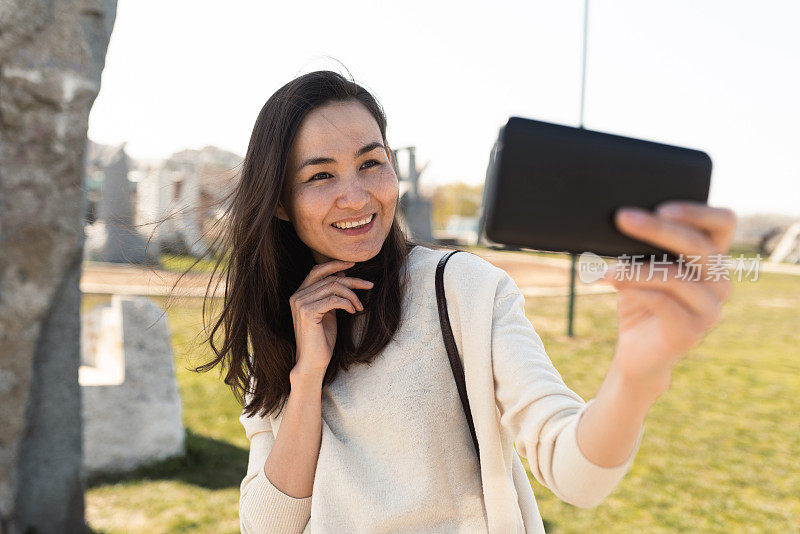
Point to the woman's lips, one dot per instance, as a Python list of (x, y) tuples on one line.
[(360, 230)]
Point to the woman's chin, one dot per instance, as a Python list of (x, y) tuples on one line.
[(361, 256)]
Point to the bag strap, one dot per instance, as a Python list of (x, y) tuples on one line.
[(452, 350)]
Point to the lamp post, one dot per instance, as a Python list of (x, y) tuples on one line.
[(573, 257)]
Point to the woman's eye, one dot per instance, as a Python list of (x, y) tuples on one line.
[(319, 175), (374, 163), (366, 165)]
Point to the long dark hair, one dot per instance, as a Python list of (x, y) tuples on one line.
[(267, 261)]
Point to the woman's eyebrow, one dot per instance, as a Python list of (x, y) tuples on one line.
[(323, 160)]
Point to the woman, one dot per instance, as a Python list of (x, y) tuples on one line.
[(384, 447)]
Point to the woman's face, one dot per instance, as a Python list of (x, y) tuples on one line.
[(339, 171)]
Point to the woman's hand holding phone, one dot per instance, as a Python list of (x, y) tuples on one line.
[(659, 320), (314, 306)]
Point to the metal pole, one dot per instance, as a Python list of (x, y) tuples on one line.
[(583, 72), (573, 263), (571, 311)]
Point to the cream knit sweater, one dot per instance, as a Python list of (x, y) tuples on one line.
[(396, 454)]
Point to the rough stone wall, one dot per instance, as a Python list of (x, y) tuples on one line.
[(52, 53)]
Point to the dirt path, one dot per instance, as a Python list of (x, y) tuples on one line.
[(535, 276)]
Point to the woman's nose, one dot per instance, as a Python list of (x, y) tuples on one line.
[(354, 192)]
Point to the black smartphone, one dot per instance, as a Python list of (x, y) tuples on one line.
[(555, 188)]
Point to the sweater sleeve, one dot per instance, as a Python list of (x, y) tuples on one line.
[(263, 507), (540, 411)]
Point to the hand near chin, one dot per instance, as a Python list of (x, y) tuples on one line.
[(314, 306)]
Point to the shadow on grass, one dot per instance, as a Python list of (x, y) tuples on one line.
[(209, 463)]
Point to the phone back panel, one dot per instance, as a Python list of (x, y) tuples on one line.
[(554, 187)]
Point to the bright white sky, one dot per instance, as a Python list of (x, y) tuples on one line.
[(720, 76)]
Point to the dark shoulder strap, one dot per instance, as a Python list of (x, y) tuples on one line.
[(452, 350)]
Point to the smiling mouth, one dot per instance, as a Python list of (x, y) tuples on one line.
[(371, 218)]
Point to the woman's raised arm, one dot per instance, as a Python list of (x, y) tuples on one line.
[(540, 411), (275, 495)]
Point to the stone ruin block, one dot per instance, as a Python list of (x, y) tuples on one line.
[(132, 413)]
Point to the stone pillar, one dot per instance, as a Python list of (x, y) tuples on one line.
[(132, 413), (123, 244), (52, 53)]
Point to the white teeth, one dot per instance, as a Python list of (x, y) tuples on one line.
[(354, 224)]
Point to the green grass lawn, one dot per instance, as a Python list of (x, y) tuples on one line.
[(179, 263), (719, 452)]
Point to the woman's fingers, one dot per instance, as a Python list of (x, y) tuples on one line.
[(649, 271), (335, 282), (683, 227), (337, 286), (322, 270), (668, 234), (316, 308), (718, 223), (675, 316), (699, 298), (326, 287), (689, 229), (333, 301)]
